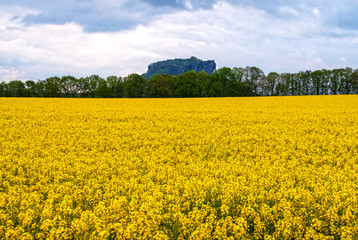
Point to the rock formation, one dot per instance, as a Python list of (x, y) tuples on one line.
[(175, 67)]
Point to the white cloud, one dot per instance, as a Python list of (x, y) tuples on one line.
[(316, 12), (288, 10), (231, 35), (188, 5), (8, 75)]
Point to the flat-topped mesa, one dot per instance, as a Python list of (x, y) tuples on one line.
[(175, 67)]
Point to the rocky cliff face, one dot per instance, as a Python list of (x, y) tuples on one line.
[(176, 67)]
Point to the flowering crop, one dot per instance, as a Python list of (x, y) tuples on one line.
[(237, 168)]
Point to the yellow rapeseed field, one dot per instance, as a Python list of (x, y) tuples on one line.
[(220, 168)]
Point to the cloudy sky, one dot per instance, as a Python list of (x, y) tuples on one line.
[(42, 38)]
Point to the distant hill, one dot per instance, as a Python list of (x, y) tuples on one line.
[(175, 67)]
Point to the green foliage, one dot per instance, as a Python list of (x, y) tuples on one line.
[(135, 86), (30, 88), (16, 89), (236, 86), (186, 85), (203, 80), (355, 82), (225, 82), (52, 87), (3, 89), (40, 89), (317, 81), (91, 84), (231, 82), (214, 86), (161, 86), (272, 81), (253, 82), (116, 86), (69, 86), (103, 91), (285, 85)]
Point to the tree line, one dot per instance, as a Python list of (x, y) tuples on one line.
[(225, 82)]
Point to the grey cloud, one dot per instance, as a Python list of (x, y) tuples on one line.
[(93, 15), (336, 13), (232, 35), (104, 16), (347, 18)]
